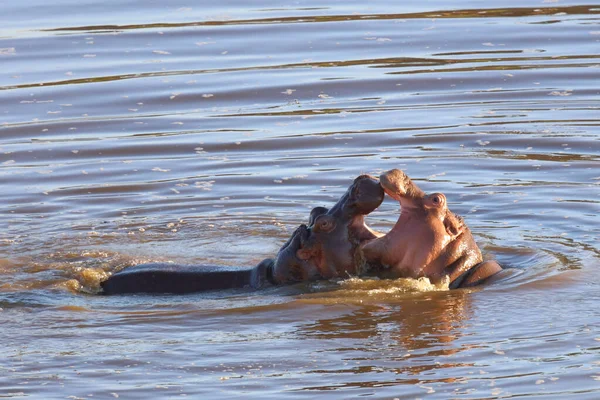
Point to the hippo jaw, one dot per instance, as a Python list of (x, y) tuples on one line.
[(362, 197), (428, 239), (399, 187)]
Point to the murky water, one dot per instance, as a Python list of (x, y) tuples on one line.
[(151, 131)]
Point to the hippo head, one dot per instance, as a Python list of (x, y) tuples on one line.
[(412, 199), (326, 247), (287, 267), (428, 239)]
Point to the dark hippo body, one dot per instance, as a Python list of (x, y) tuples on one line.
[(427, 241), (180, 279)]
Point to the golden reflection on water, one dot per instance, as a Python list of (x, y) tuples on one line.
[(415, 321), (404, 336), (473, 13)]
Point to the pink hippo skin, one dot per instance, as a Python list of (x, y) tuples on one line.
[(427, 241)]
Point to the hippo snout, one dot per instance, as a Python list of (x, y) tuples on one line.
[(366, 194), (395, 183)]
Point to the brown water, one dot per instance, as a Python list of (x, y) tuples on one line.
[(135, 131)]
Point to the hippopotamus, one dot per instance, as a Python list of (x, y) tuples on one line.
[(324, 249), (327, 247), (428, 240)]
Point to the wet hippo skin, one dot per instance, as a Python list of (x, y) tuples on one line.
[(177, 278), (427, 240), (327, 247)]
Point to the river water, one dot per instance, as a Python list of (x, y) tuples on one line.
[(134, 131)]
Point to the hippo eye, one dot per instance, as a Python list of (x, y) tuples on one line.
[(437, 200)]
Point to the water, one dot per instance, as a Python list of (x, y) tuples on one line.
[(139, 131)]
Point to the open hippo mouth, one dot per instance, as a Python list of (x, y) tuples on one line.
[(427, 240), (428, 210)]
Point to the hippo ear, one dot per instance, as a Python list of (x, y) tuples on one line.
[(324, 223), (315, 212), (453, 224)]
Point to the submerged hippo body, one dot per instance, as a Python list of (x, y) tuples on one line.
[(323, 249), (180, 279), (428, 239), (327, 247)]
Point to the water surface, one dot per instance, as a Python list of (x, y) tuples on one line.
[(135, 131)]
